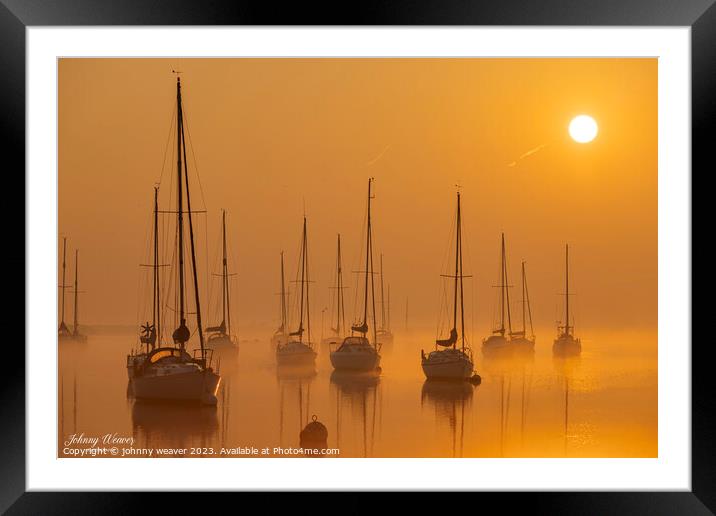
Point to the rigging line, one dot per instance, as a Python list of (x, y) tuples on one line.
[(169, 138), (185, 118)]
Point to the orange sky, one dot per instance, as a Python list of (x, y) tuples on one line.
[(273, 135)]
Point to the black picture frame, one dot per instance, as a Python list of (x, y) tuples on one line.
[(16, 15)]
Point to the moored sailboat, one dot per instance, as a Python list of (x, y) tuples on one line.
[(64, 334), (280, 336), (448, 361), (169, 372), (356, 353), (497, 343), (566, 343), (383, 334), (521, 340), (296, 351), (221, 340)]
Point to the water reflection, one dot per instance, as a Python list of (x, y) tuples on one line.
[(358, 392), (177, 426), (600, 404), (294, 400), (568, 368), (451, 400)]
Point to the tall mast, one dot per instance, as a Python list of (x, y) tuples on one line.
[(382, 294), (340, 310), (156, 304), (566, 283), (226, 307), (302, 263), (527, 299), (406, 314), (457, 266), (63, 286), (74, 325), (372, 278), (305, 266), (181, 334), (502, 287), (191, 237), (367, 259), (524, 306), (506, 287), (387, 307), (458, 252), (283, 299)]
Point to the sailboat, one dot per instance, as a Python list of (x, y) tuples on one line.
[(356, 353), (338, 331), (281, 334), (220, 338), (296, 352), (384, 335), (520, 340), (64, 334), (497, 342), (169, 372), (566, 343), (448, 361)]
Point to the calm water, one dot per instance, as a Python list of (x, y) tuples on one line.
[(602, 404)]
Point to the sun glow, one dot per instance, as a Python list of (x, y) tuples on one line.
[(583, 129)]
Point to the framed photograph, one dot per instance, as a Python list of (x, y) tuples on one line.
[(446, 249)]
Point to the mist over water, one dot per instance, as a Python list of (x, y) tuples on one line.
[(602, 404)]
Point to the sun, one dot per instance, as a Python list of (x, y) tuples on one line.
[(583, 129)]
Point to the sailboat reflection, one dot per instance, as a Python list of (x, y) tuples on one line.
[(295, 391), (451, 400), (173, 426), (568, 368), (359, 392)]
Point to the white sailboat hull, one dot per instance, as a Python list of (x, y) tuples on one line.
[(496, 345), (567, 345), (523, 345), (447, 365), (197, 386), (385, 337), (348, 359), (295, 354), (224, 344)]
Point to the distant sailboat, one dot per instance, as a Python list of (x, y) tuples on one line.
[(281, 334), (497, 342), (451, 362), (340, 328), (64, 334), (384, 335), (355, 352), (566, 343), (520, 340), (221, 339), (170, 373), (297, 351)]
